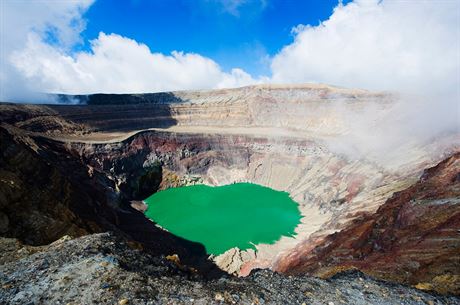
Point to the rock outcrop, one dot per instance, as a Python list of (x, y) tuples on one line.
[(413, 238), (95, 160), (104, 269), (47, 191), (39, 202)]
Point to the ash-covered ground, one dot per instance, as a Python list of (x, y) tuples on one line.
[(105, 269)]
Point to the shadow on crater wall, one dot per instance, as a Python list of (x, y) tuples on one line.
[(160, 242), (54, 195), (119, 99), (119, 112)]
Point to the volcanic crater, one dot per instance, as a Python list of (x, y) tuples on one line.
[(98, 156)]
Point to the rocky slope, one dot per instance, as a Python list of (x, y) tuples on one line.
[(47, 192), (303, 107), (416, 232), (38, 202), (104, 269), (114, 150)]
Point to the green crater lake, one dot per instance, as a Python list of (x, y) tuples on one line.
[(236, 215)]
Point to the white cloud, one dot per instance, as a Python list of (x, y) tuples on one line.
[(382, 45), (114, 63), (409, 47), (18, 19), (233, 7), (118, 64)]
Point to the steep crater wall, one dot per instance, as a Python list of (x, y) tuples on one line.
[(285, 137), (331, 190)]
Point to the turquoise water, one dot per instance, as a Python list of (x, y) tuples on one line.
[(220, 218)]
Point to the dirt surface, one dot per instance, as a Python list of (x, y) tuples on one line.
[(104, 269)]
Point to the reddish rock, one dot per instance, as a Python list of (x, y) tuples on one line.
[(414, 238)]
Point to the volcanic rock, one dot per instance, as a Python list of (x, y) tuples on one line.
[(73, 272), (78, 169), (413, 238)]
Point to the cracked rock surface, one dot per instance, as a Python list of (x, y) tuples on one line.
[(104, 269)]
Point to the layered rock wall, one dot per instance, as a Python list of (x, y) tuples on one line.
[(413, 238), (331, 190), (283, 137)]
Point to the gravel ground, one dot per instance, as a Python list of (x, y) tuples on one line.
[(105, 269)]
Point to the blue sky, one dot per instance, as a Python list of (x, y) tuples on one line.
[(115, 46), (234, 36)]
